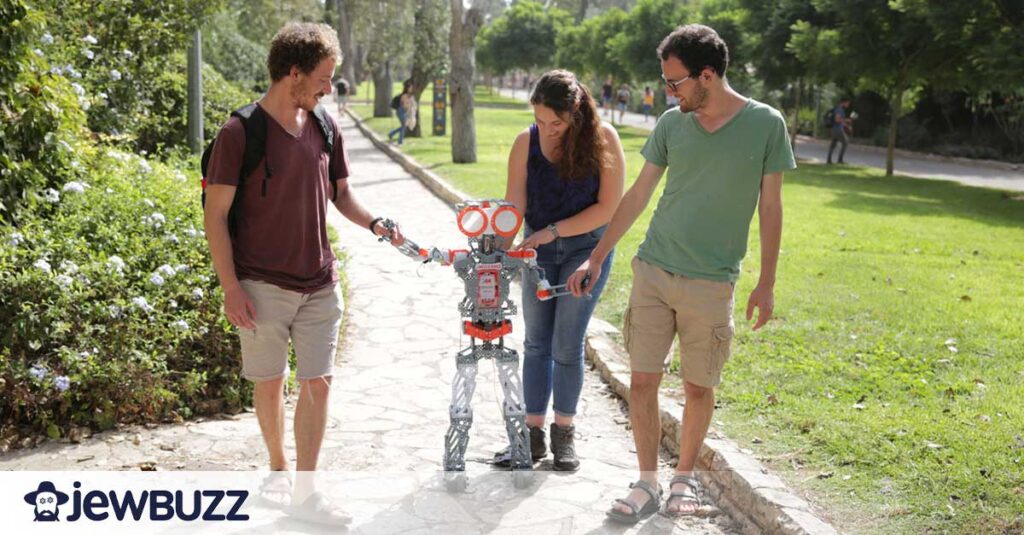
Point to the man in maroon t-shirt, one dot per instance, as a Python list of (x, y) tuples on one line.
[(276, 266)]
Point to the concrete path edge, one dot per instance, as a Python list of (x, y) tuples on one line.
[(759, 502)]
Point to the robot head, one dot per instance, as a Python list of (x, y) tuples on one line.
[(489, 218)]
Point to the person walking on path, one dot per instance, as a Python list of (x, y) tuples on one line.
[(725, 154), (839, 123), (622, 100), (341, 93), (273, 258), (606, 96), (566, 173), (648, 103), (406, 112)]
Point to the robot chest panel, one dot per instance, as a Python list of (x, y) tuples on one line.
[(488, 287)]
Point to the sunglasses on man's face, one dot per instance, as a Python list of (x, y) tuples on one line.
[(674, 84)]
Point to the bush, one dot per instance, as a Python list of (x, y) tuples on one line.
[(163, 123), (110, 309)]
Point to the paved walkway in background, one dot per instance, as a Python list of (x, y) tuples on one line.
[(913, 166), (389, 404)]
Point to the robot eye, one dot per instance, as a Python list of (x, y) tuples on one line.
[(506, 221), (472, 221)]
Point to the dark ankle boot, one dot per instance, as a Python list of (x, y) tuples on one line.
[(563, 448), (537, 447)]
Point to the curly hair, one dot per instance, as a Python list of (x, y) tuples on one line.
[(303, 45), (697, 46), (583, 149)]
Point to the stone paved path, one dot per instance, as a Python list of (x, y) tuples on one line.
[(913, 166), (389, 413)]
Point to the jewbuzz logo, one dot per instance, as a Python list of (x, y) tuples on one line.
[(153, 504)]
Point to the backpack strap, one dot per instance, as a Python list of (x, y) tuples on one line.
[(326, 126), (254, 119)]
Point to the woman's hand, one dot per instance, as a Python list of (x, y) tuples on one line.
[(535, 240)]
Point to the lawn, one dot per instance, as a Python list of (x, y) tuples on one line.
[(888, 385)]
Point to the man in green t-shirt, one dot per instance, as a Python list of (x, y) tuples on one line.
[(724, 154)]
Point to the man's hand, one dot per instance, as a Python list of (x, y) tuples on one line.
[(762, 298), (589, 268), (239, 309), (392, 234)]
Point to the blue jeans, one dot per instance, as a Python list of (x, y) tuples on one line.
[(401, 126), (553, 349)]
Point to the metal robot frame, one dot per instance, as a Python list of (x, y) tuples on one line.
[(487, 270)]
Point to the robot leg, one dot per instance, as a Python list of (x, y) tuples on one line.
[(460, 412), (514, 409)]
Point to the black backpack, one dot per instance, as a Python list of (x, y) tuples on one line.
[(254, 120), (396, 101), (830, 118)]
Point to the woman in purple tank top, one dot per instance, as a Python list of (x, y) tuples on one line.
[(566, 174)]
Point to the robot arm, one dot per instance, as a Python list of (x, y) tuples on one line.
[(445, 257), (527, 258)]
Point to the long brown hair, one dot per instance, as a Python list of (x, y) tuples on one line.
[(583, 150)]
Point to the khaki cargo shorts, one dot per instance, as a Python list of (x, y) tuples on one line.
[(663, 305), (310, 320)]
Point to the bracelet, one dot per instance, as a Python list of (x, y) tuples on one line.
[(554, 230), (374, 223)]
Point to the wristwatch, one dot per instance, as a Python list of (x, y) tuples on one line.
[(554, 230)]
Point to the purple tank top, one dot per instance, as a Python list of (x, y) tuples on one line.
[(549, 198)]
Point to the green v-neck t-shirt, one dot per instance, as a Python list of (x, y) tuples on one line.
[(713, 180)]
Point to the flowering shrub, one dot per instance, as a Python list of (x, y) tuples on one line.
[(109, 304)]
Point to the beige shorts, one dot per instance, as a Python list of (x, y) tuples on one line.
[(663, 305), (311, 321)]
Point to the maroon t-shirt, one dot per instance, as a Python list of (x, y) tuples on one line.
[(281, 238)]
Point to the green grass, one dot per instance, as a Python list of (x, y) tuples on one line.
[(899, 296)]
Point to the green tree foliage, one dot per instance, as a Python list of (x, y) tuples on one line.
[(430, 49), (635, 45), (500, 45), (584, 48), (238, 59)]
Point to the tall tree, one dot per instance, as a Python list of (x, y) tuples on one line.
[(466, 22), (635, 46), (343, 12), (385, 29), (894, 47), (430, 49), (499, 46)]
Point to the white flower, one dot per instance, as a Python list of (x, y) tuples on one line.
[(197, 293), (181, 268), (15, 239), (64, 281), (69, 267), (166, 270), (148, 203), (85, 104), (103, 96), (144, 166), (180, 176), (62, 382), (156, 219), (90, 39), (173, 238), (142, 304), (75, 187), (115, 263), (65, 145), (191, 231), (156, 279), (38, 52), (79, 90), (172, 303), (115, 311), (180, 324), (38, 371), (115, 74), (89, 54), (56, 71), (128, 54), (43, 265), (52, 195), (46, 39), (70, 71)]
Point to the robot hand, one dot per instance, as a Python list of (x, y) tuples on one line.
[(545, 291)]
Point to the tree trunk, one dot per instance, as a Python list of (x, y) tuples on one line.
[(360, 72), (581, 13), (817, 110), (348, 52), (895, 109), (465, 25), (796, 115), (382, 90)]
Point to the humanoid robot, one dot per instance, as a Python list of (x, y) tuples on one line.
[(487, 270)]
